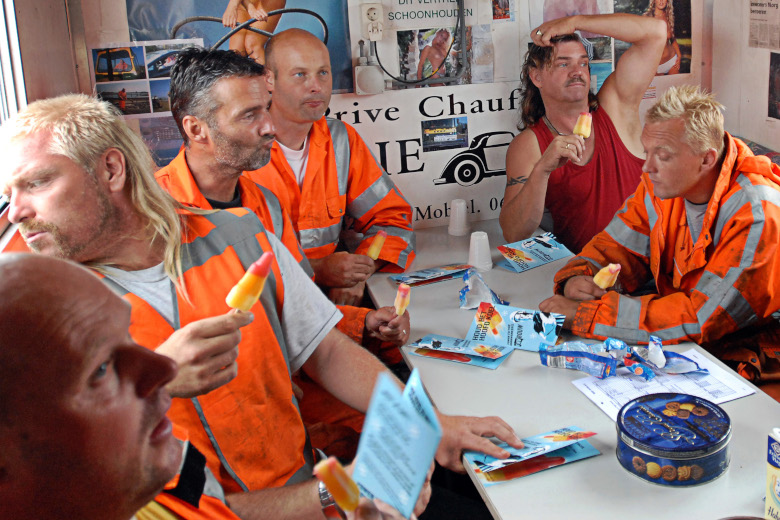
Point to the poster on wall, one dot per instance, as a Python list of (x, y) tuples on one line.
[(764, 24), (774, 86), (435, 53), (676, 57), (156, 20), (403, 15), (135, 78)]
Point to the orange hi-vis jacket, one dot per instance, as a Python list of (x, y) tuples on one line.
[(342, 179), (727, 280), (249, 429), (193, 494), (318, 407)]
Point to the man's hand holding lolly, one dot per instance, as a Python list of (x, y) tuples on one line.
[(386, 325)]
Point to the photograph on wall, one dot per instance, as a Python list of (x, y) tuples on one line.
[(541, 11), (160, 58), (118, 64), (159, 92), (503, 10), (162, 137), (157, 19), (676, 57), (444, 134), (435, 53), (130, 98), (774, 85)]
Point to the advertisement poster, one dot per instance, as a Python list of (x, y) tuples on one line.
[(156, 19)]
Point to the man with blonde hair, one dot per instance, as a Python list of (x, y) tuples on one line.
[(72, 165), (703, 226)]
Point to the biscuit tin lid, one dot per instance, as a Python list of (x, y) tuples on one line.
[(673, 425)]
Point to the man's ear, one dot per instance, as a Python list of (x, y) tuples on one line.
[(113, 169), (197, 131), (710, 159), (269, 80), (535, 75)]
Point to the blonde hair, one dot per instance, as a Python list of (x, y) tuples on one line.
[(701, 113), (82, 128), (668, 13)]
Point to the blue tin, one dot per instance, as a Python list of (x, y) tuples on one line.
[(673, 439)]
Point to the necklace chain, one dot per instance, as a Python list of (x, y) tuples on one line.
[(552, 125)]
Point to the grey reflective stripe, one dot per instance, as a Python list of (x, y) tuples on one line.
[(592, 261), (340, 139), (275, 209), (720, 292), (374, 194), (278, 221), (652, 216), (629, 310), (628, 238), (215, 444), (316, 237)]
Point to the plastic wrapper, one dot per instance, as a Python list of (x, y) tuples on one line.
[(589, 358), (477, 291)]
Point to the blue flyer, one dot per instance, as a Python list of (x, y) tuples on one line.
[(533, 252), (517, 328), (431, 275), (398, 443), (461, 351)]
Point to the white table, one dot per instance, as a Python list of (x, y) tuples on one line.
[(534, 399)]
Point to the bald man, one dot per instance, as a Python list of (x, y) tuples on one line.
[(82, 407), (326, 175)]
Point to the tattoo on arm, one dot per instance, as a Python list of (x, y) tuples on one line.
[(516, 180)]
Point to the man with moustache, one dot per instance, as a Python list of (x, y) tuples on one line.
[(325, 175), (581, 182)]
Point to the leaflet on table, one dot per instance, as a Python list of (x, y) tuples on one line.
[(533, 447), (574, 452), (431, 275), (533, 252), (518, 328), (717, 385), (399, 439), (461, 351)]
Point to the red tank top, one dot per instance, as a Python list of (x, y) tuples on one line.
[(583, 199)]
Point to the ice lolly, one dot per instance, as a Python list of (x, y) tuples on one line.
[(582, 128), (607, 277), (247, 291), (402, 298), (344, 490), (376, 245)]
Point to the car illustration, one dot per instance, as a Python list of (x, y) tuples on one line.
[(485, 157)]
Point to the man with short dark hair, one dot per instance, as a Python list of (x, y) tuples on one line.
[(580, 181)]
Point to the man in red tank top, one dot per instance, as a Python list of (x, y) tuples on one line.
[(581, 181)]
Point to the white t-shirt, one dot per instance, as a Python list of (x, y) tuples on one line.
[(307, 314), (297, 159)]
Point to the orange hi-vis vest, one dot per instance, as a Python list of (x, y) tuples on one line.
[(318, 406), (724, 281), (342, 179), (249, 429)]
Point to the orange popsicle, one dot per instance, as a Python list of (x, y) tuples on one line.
[(607, 276), (402, 298), (344, 490), (376, 245), (582, 128), (246, 292)]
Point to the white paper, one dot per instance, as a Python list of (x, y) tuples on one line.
[(610, 394)]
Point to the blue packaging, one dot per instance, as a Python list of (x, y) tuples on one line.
[(673, 439)]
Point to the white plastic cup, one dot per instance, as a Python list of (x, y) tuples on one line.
[(459, 224), (479, 251)]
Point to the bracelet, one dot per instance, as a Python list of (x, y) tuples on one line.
[(329, 507)]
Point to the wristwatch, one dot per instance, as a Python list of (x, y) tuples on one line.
[(329, 507)]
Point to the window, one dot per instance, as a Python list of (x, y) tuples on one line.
[(12, 93)]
